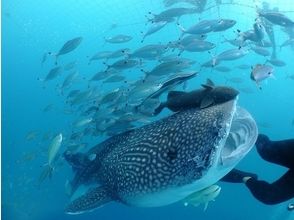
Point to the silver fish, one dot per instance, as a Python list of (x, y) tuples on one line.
[(259, 30), (118, 127), (119, 53), (110, 97), (231, 54), (264, 43), (54, 148), (149, 52), (82, 122), (73, 93), (114, 78), (69, 46), (261, 51), (256, 34), (202, 27), (235, 42), (235, 80), (70, 65), (141, 90), (118, 39), (69, 80), (203, 196), (289, 42), (276, 62), (53, 73), (123, 64), (168, 3), (173, 81), (74, 147), (170, 14), (102, 75), (156, 26), (197, 46), (191, 38), (223, 69), (222, 25), (101, 55), (277, 18), (44, 58), (243, 66), (167, 68), (81, 97), (48, 108), (261, 72)]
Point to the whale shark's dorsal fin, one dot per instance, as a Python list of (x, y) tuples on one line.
[(93, 199)]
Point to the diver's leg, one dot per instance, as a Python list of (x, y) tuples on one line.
[(274, 193), (236, 176), (279, 152)]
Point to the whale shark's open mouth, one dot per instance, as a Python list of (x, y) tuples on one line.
[(241, 139)]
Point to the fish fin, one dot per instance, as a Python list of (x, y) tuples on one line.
[(208, 87), (272, 76), (196, 204), (56, 58), (46, 173), (182, 29), (185, 85), (180, 53), (93, 199), (206, 102), (205, 206), (214, 60), (159, 109), (210, 83), (258, 85), (67, 187), (175, 94)]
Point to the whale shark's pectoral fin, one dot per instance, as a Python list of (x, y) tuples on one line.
[(93, 199)]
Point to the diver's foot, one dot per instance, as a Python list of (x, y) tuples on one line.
[(236, 176)]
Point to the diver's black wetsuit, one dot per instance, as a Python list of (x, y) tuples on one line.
[(278, 152)]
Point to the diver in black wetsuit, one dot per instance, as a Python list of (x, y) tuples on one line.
[(278, 152)]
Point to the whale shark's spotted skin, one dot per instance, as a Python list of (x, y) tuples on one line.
[(168, 154)]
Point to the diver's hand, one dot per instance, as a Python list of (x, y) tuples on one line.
[(246, 178), (291, 207)]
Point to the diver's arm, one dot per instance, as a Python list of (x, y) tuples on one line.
[(274, 193)]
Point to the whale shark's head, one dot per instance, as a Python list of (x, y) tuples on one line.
[(240, 137)]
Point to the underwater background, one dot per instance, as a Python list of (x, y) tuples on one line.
[(34, 111)]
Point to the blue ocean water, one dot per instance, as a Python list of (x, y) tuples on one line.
[(32, 28)]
